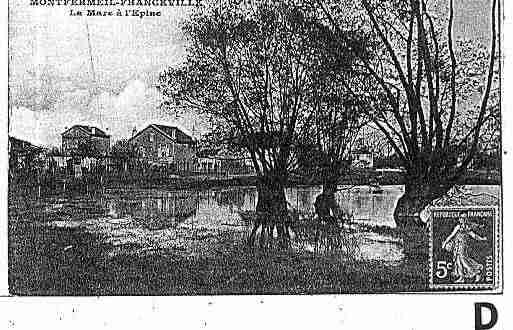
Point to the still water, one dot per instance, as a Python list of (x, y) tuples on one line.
[(193, 222)]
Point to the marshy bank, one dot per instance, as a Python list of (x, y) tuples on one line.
[(156, 241), (70, 261)]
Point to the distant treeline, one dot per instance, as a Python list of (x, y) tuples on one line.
[(482, 161)]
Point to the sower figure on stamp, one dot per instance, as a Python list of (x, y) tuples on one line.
[(328, 212), (464, 267)]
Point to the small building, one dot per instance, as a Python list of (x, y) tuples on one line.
[(23, 154), (168, 146), (57, 162), (362, 158), (87, 140), (221, 162)]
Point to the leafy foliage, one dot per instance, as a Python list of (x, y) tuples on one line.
[(268, 76), (250, 69)]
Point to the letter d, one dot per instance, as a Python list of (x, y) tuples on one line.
[(478, 308)]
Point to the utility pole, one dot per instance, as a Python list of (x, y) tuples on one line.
[(93, 73)]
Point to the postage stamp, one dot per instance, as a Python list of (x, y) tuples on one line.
[(464, 248)]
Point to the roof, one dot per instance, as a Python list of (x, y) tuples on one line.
[(221, 154), (17, 145), (167, 131), (362, 150), (207, 153), (90, 130)]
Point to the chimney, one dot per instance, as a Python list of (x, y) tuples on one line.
[(93, 129), (134, 130)]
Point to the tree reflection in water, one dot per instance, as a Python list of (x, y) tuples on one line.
[(196, 215), (156, 212)]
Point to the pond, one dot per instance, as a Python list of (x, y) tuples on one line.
[(193, 222)]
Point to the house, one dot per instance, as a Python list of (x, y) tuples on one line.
[(23, 154), (85, 141), (362, 158), (222, 162), (21, 147), (165, 146)]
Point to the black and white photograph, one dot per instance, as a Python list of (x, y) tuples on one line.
[(239, 147)]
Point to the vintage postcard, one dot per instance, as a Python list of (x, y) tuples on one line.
[(236, 147)]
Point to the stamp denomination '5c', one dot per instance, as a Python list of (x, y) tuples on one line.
[(463, 248)]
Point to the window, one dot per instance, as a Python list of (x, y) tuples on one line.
[(163, 151), (172, 151), (152, 137)]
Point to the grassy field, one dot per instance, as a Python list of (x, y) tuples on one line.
[(48, 260)]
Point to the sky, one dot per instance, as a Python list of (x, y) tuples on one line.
[(51, 83)]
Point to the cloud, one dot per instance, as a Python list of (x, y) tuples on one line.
[(51, 84), (51, 81), (137, 105)]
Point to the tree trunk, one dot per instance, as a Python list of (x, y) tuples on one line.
[(271, 213), (329, 189), (417, 196), (327, 227)]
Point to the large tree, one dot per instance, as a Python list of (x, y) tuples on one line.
[(250, 69), (324, 147), (325, 152), (425, 88)]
